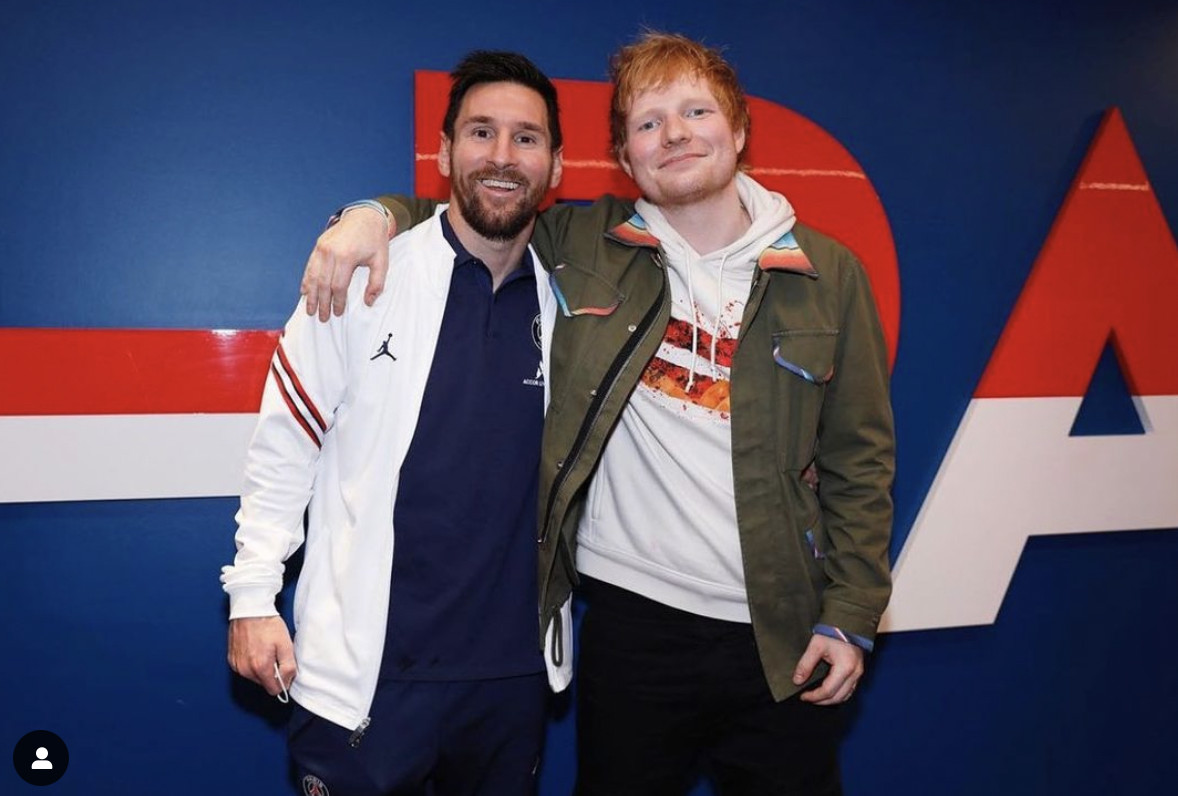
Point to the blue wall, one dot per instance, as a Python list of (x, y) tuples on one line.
[(169, 165)]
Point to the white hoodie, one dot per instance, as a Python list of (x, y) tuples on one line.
[(662, 511)]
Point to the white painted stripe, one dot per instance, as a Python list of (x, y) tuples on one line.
[(592, 164), (767, 171), (1013, 472), (568, 163), (1115, 186), (120, 457), (761, 171)]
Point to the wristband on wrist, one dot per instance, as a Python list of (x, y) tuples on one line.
[(372, 203)]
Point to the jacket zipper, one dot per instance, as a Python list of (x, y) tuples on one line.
[(599, 396), (354, 738)]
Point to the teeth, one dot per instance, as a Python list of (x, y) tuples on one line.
[(504, 184)]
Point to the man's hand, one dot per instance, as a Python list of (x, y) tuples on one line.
[(846, 667), (255, 645), (359, 238)]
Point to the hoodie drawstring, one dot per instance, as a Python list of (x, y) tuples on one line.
[(719, 314), (694, 328), (716, 322)]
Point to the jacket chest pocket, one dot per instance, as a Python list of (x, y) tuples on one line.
[(581, 292), (591, 312), (803, 365)]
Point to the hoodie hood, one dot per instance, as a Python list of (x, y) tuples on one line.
[(709, 291), (771, 214)]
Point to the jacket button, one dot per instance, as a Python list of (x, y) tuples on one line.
[(632, 327), (560, 464), (593, 393)]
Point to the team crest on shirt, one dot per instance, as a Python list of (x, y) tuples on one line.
[(538, 380), (313, 786)]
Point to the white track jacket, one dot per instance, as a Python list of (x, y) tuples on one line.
[(338, 412)]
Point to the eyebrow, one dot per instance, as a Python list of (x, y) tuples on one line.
[(490, 120)]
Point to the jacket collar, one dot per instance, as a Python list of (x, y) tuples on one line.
[(633, 232), (784, 254)]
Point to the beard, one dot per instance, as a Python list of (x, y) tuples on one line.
[(498, 224)]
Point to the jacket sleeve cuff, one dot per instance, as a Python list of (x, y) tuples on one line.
[(866, 644), (399, 217), (251, 602)]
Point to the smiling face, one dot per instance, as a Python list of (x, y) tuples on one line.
[(680, 147), (500, 161)]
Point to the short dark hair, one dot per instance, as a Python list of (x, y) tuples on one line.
[(495, 66)]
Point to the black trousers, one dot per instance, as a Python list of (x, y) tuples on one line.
[(663, 695)]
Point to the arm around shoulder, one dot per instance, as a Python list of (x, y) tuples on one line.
[(356, 236)]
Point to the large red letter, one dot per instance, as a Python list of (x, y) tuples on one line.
[(1109, 271)]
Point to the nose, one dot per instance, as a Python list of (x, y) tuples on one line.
[(502, 151), (675, 130)]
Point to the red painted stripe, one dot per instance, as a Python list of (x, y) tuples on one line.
[(298, 385), (132, 371), (294, 410)]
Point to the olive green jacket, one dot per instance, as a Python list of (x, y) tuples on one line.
[(809, 384)]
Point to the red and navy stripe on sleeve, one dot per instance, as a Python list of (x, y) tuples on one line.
[(301, 407)]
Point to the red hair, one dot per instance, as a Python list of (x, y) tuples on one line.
[(658, 59)]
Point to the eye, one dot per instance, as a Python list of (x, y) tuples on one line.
[(527, 139), (649, 124), (696, 113), (481, 132)]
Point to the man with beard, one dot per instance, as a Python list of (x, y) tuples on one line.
[(409, 432)]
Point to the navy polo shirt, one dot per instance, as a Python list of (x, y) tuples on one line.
[(463, 603)]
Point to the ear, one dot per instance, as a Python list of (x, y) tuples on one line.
[(557, 168), (740, 138), (444, 156), (624, 161)]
